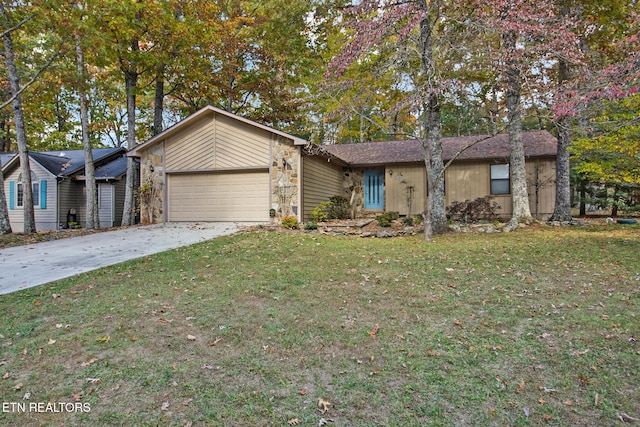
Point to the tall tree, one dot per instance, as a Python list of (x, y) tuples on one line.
[(93, 214), (5, 225), (423, 23), (18, 114), (517, 168)]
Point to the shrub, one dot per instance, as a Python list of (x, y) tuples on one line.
[(290, 222), (311, 225), (407, 220), (339, 207), (336, 208), (321, 212), (386, 218), (473, 210)]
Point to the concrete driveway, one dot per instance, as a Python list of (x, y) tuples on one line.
[(31, 265)]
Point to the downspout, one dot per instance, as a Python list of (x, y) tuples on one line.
[(271, 144), (58, 222), (165, 187), (300, 186)]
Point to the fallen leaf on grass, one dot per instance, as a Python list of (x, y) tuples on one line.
[(3, 362), (76, 396), (191, 337), (88, 362), (214, 342), (51, 341), (375, 331), (324, 422), (26, 396), (104, 339), (186, 402), (6, 375), (93, 380), (165, 406), (568, 402), (18, 386), (624, 418), (323, 405), (293, 421)]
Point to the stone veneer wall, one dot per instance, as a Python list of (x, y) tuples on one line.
[(151, 205), (353, 181), (284, 177)]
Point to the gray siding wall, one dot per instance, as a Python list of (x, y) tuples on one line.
[(46, 219), (119, 190), (71, 196), (106, 204)]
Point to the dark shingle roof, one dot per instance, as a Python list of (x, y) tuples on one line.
[(68, 162), (4, 158), (112, 170), (536, 144)]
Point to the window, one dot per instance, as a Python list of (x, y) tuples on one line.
[(500, 182), (35, 190)]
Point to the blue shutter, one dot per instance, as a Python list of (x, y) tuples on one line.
[(12, 195), (43, 194)]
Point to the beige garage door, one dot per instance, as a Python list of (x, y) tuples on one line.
[(219, 197)]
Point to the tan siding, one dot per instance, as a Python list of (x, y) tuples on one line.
[(541, 180), (239, 144), (471, 180), (398, 179), (466, 181), (192, 147), (321, 180), (219, 197)]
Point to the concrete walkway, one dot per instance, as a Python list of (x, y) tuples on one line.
[(32, 265)]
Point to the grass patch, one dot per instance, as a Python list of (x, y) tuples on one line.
[(533, 327)]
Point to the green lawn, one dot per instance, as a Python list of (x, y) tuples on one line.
[(533, 327)]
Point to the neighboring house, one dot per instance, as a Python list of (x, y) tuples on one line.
[(59, 194), (216, 166)]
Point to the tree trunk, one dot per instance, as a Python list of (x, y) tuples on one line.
[(583, 197), (562, 209), (93, 214), (131, 82), (520, 196), (5, 225), (21, 134), (435, 219), (158, 104)]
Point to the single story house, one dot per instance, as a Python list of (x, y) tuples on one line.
[(59, 194), (391, 175), (217, 166)]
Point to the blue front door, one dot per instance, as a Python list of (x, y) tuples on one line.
[(374, 189)]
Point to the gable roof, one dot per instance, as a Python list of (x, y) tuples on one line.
[(478, 147), (202, 112), (4, 158), (65, 163)]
